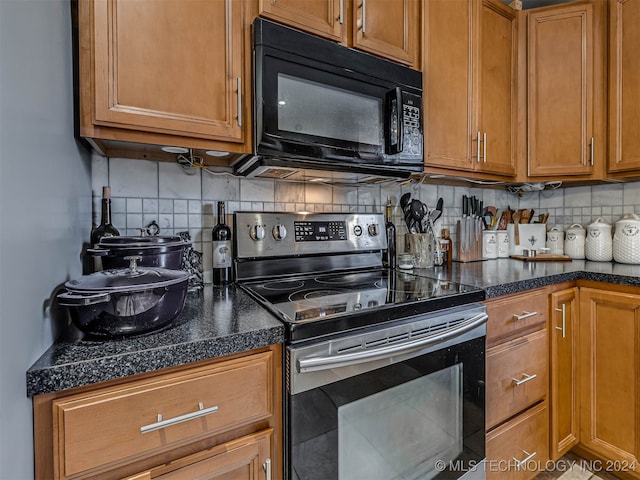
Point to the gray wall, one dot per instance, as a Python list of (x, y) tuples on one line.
[(45, 203)]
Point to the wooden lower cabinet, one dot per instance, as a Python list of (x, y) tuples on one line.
[(563, 371), (516, 376), (223, 417), (610, 377), (518, 449), (517, 418), (245, 459)]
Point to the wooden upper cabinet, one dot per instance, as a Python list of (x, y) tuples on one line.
[(387, 28), (565, 91), (320, 17), (165, 71), (624, 87), (470, 86), (497, 63)]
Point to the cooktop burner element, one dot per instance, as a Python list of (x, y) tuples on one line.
[(359, 299), (321, 287)]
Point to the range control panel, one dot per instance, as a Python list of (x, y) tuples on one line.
[(270, 234)]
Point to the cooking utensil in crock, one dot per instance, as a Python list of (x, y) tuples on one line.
[(129, 301), (405, 202), (154, 251), (417, 209)]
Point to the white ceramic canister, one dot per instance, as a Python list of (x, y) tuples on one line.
[(503, 243), (574, 241), (598, 245), (489, 244), (555, 241), (626, 239)]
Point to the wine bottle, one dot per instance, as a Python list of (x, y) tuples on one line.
[(222, 254), (105, 229), (389, 255)]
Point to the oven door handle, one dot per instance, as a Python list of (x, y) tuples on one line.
[(315, 364)]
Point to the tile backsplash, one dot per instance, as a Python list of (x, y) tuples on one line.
[(143, 191)]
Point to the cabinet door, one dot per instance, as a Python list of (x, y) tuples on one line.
[(610, 374), (326, 18), (469, 86), (169, 66), (561, 91), (388, 28), (624, 87), (247, 458), (448, 85), (563, 334), (496, 103)]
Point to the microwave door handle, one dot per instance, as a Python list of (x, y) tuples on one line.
[(328, 362), (393, 125)]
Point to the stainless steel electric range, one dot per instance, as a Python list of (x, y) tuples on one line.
[(384, 368)]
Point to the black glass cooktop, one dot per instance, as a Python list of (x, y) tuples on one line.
[(326, 304)]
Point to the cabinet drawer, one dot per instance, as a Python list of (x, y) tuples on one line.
[(515, 314), (516, 449), (516, 376), (113, 425)]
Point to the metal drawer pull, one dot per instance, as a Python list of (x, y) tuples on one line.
[(527, 378), (341, 16), (267, 468), (564, 320), (201, 412), (522, 463), (524, 315)]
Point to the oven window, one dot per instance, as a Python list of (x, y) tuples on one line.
[(423, 415), (311, 108)]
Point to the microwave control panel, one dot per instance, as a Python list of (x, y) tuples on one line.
[(412, 124)]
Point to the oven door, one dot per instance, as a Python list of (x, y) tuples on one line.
[(411, 408)]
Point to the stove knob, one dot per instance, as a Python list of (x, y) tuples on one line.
[(279, 232), (357, 230), (257, 232), (373, 230)]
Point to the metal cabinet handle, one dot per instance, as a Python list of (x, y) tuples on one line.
[(527, 378), (341, 13), (267, 468), (592, 150), (364, 16), (564, 320), (524, 315), (239, 81), (484, 143), (477, 140), (523, 462), (201, 412)]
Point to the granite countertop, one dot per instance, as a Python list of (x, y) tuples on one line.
[(505, 275), (216, 321), (220, 321)]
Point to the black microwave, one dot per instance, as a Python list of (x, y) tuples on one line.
[(324, 106)]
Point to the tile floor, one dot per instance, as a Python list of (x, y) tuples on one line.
[(573, 467)]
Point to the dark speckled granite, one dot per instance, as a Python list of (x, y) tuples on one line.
[(220, 321), (215, 322), (505, 275)]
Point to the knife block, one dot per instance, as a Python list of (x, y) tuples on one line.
[(473, 253)]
